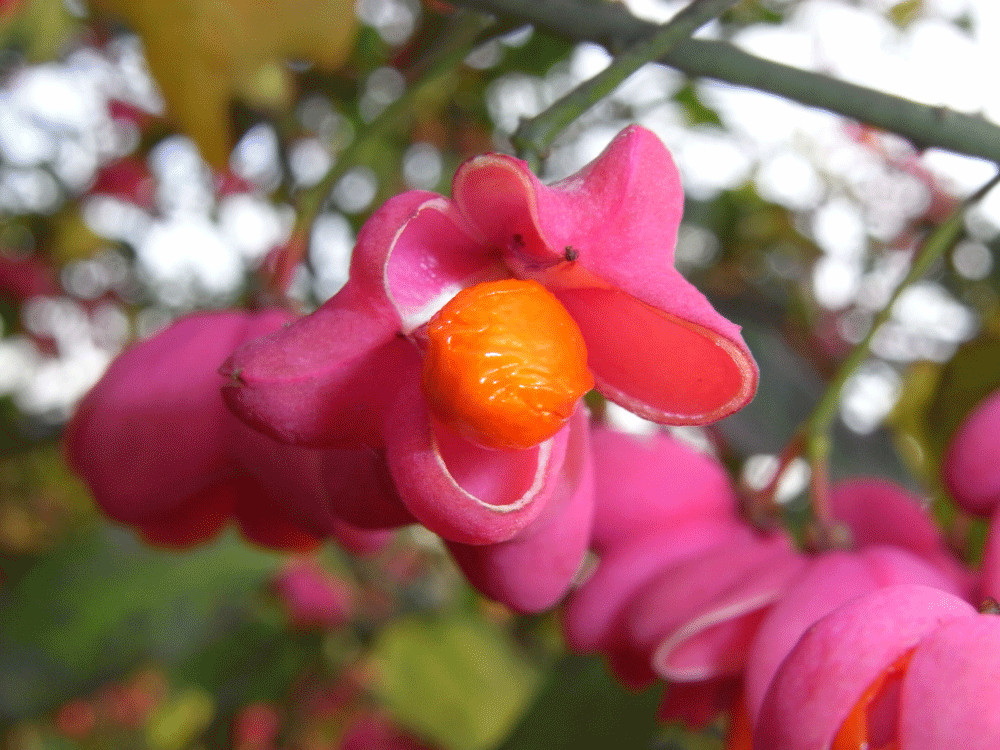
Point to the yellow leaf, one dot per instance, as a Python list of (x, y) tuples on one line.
[(904, 13), (203, 53), (176, 724), (72, 239), (458, 681)]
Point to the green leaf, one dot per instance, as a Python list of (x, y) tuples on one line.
[(457, 681), (106, 602), (536, 56), (971, 375), (177, 723), (40, 28), (698, 113), (581, 707)]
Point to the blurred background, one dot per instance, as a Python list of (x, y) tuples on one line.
[(155, 158)]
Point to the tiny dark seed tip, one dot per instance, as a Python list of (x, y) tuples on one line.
[(989, 606), (518, 241), (571, 253)]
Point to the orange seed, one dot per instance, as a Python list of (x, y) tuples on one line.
[(505, 364), (855, 733)]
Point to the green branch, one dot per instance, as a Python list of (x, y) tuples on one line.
[(817, 437), (813, 440), (611, 25), (462, 34), (944, 236), (534, 136), (454, 45)]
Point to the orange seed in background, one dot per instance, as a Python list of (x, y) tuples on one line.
[(856, 733), (505, 364)]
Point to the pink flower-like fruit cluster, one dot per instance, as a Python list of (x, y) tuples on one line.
[(442, 385), (875, 646)]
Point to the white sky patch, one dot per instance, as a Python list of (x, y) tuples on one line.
[(22, 142), (384, 86), (309, 160), (355, 191), (18, 360), (784, 44), (928, 80), (791, 180), (926, 304), (972, 259), (58, 383), (766, 121), (183, 180), (116, 219), (58, 98), (961, 174), (869, 395), (710, 161), (59, 317), (836, 282), (982, 221), (621, 419), (649, 85), (252, 225), (838, 227), (759, 469), (658, 11), (188, 251), (422, 166), (588, 59), (256, 156), (393, 19), (512, 97), (330, 252)]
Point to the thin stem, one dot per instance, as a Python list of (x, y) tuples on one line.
[(818, 427), (613, 26), (814, 439), (933, 248), (534, 136), (464, 33)]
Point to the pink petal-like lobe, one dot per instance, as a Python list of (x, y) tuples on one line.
[(880, 512), (950, 693), (327, 379), (360, 489), (532, 571), (151, 433), (591, 615), (821, 680), (459, 490), (971, 464), (650, 483), (827, 582), (603, 241)]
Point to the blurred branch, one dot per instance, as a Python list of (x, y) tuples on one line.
[(933, 249), (534, 136), (463, 34), (613, 26), (814, 438), (452, 48)]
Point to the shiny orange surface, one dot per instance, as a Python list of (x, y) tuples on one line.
[(855, 733), (505, 364)]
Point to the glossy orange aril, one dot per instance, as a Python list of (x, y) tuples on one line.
[(505, 364), (856, 733)]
